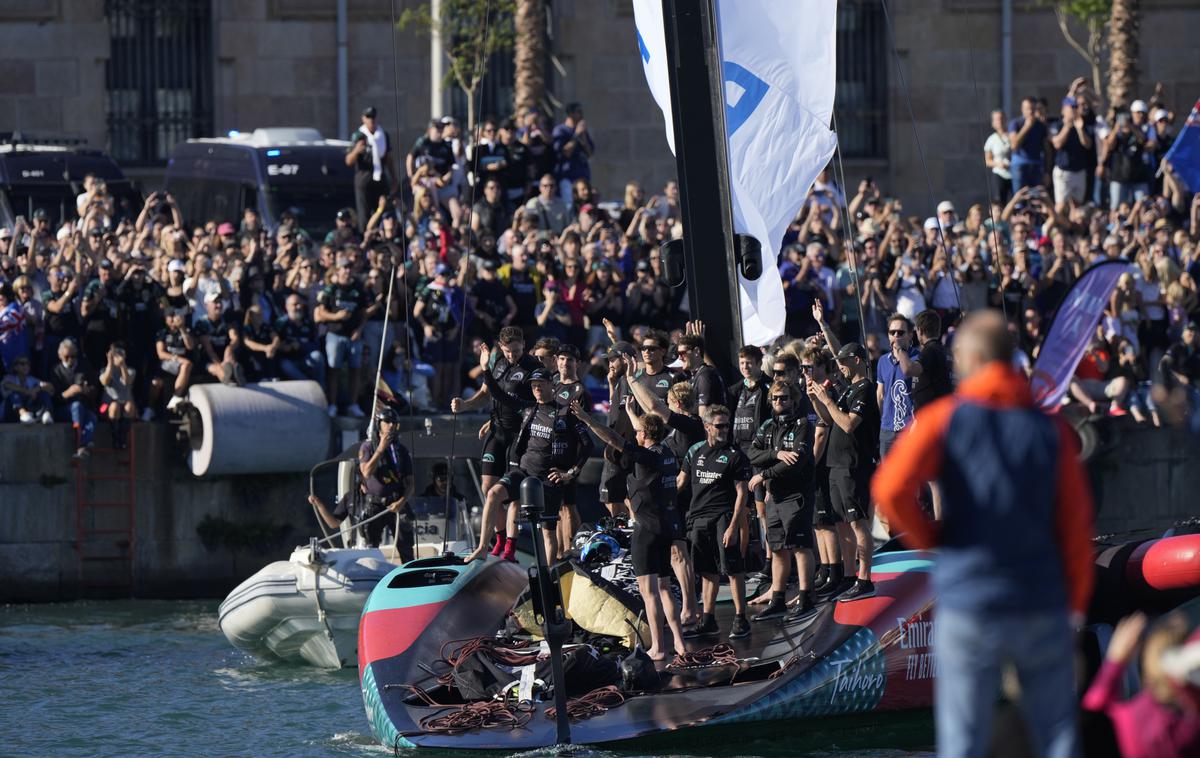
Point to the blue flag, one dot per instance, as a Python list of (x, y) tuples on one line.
[(1184, 155)]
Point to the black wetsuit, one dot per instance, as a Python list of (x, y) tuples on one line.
[(652, 497), (546, 439), (513, 378), (750, 408), (789, 511)]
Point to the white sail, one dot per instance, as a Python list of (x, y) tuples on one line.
[(779, 70)]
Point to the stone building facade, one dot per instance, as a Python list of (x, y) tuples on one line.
[(71, 68)]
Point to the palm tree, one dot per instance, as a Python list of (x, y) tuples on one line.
[(529, 56), (1123, 37)]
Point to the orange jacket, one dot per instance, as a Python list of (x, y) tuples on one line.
[(977, 412)]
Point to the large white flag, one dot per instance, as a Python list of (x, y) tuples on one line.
[(779, 72)]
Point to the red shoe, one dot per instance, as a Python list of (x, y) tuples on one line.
[(497, 546)]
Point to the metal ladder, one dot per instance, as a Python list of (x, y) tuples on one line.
[(104, 521)]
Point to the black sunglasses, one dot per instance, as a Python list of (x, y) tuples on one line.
[(650, 347), (806, 367), (779, 372), (781, 399), (720, 426), (897, 332)]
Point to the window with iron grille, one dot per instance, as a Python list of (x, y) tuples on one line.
[(158, 77), (862, 66)]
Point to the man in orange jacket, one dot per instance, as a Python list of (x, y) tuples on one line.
[(1014, 566)]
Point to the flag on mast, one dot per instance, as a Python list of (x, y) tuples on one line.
[(1184, 155), (778, 65)]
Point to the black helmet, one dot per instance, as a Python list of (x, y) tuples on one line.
[(387, 414)]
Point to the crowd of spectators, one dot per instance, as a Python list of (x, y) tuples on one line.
[(505, 228)]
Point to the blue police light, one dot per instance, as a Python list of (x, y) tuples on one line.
[(272, 153), (234, 133)]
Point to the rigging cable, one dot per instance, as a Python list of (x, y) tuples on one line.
[(848, 243), (920, 150), (987, 184)]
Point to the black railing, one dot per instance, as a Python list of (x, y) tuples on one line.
[(159, 76), (862, 71)]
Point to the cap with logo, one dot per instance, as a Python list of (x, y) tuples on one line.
[(539, 375), (621, 349), (852, 349)]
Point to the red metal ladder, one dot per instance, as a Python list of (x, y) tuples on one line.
[(105, 520)]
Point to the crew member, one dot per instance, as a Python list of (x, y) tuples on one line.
[(817, 365), (718, 472), (568, 389), (658, 523), (613, 476), (781, 452), (750, 409), (550, 445), (705, 380), (686, 430), (511, 373), (853, 420)]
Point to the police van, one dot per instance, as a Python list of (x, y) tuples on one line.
[(271, 170), (47, 176)]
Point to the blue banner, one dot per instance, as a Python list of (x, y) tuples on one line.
[(1184, 155), (1072, 330)]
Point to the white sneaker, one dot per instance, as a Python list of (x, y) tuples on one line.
[(333, 410), (47, 419), (148, 414), (174, 402), (27, 417), (355, 411)]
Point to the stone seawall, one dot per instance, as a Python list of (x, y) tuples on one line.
[(200, 537)]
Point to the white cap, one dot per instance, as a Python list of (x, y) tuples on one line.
[(1138, 106), (945, 207), (63, 233), (1159, 114), (176, 265), (212, 297), (931, 223)]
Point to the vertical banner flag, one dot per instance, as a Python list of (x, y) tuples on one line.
[(1072, 330), (1184, 155), (779, 73)]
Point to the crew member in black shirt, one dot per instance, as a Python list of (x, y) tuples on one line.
[(780, 451), (706, 381), (718, 472), (853, 420), (818, 366), (686, 430), (568, 389), (750, 408), (655, 471), (613, 475), (511, 373), (550, 445), (930, 374)]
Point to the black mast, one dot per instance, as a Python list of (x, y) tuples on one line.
[(694, 65)]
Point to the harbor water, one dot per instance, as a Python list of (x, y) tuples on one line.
[(153, 678)]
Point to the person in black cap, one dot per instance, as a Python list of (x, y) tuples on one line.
[(569, 389), (551, 445), (853, 419), (613, 475), (374, 164)]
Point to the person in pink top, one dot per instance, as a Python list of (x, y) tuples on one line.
[(1163, 720)]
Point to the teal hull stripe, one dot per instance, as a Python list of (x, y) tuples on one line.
[(381, 725)]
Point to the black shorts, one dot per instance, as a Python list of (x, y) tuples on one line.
[(823, 515), (709, 554), (789, 524), (511, 482), (613, 487), (850, 491), (495, 453), (570, 492), (650, 553)]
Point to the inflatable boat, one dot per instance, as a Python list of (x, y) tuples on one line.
[(447, 658), (307, 608)]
